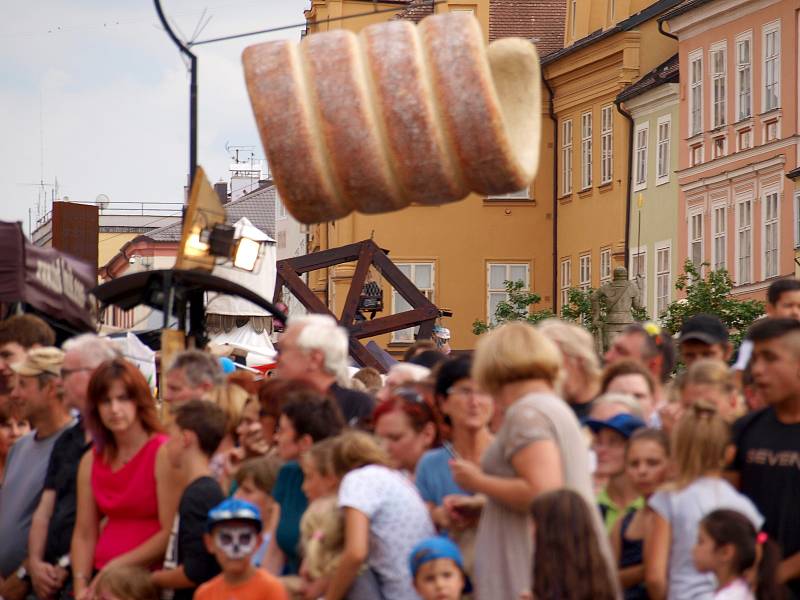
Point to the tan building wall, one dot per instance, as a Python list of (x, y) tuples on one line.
[(458, 239), (591, 212), (108, 244)]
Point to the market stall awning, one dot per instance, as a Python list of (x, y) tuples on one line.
[(51, 282)]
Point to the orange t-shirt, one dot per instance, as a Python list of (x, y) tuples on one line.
[(261, 586)]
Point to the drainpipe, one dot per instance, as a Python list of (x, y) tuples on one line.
[(628, 116), (555, 193), (666, 33)]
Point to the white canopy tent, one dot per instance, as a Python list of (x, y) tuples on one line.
[(262, 282)]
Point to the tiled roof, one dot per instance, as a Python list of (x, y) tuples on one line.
[(541, 21), (258, 206), (684, 6), (654, 10), (415, 11), (666, 72), (170, 233)]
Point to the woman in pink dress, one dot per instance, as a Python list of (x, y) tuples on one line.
[(125, 479)]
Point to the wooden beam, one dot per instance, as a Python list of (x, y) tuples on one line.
[(365, 257), (367, 253), (409, 318)]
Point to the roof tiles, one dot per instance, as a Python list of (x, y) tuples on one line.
[(258, 206), (541, 21), (666, 72)]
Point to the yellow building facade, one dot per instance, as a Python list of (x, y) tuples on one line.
[(459, 253), (604, 52)]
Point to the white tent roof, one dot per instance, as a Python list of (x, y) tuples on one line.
[(261, 281)]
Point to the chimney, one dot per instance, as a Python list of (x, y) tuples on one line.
[(222, 191)]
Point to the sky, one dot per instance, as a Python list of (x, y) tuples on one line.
[(94, 94)]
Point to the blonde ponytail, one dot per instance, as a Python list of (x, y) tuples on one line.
[(699, 443)]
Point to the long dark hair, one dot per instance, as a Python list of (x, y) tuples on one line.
[(568, 563), (726, 526), (137, 391)]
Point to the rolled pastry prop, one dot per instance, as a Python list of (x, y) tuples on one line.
[(420, 151), (395, 115), (290, 135)]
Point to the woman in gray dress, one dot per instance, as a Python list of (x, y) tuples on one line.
[(538, 448)]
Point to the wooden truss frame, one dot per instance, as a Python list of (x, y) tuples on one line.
[(423, 312)]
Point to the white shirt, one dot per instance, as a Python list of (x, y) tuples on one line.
[(736, 590), (398, 521), (684, 509)]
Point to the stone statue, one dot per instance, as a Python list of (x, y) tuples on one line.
[(620, 295)]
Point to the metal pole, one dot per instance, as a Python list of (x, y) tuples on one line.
[(192, 90)]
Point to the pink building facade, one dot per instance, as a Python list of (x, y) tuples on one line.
[(738, 137)]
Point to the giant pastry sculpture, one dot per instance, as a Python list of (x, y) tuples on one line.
[(395, 115)]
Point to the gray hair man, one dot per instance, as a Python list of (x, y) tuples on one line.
[(54, 519), (192, 375), (314, 349)]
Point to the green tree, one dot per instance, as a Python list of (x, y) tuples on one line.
[(579, 309), (711, 294), (517, 307)]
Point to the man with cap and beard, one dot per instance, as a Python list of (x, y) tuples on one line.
[(38, 389)]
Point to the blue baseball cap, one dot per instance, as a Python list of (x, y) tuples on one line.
[(433, 548), (624, 424), (228, 366), (233, 509)]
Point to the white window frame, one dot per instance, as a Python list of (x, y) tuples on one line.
[(636, 252), (723, 151), (280, 209), (565, 281), (490, 291), (745, 68), (796, 219), (523, 194), (406, 336), (766, 138), (606, 272), (695, 105), (606, 144), (769, 28), (719, 85), (742, 228), (664, 123), (660, 277), (741, 132), (702, 149), (692, 238), (573, 10), (642, 133), (566, 157), (770, 221), (586, 150), (585, 271), (719, 236)]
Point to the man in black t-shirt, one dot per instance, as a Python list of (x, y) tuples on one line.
[(767, 461), (195, 434)]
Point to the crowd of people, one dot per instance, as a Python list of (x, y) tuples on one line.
[(532, 468)]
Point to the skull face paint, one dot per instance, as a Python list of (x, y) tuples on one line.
[(236, 541)]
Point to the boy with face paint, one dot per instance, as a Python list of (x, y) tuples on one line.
[(234, 535)]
